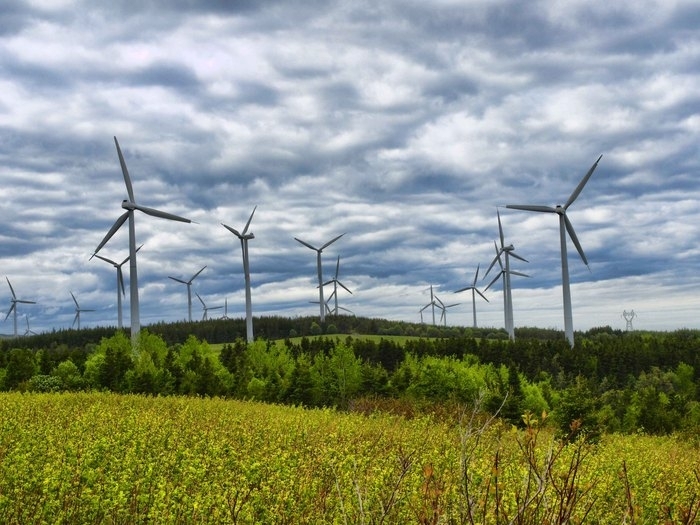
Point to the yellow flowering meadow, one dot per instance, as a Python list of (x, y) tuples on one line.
[(107, 458)]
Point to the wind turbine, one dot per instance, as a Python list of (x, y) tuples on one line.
[(120, 282), (320, 271), (337, 283), (244, 237), (565, 227), (77, 311), (13, 307), (130, 206), (443, 316), (206, 308), (29, 331), (507, 300), (189, 291), (433, 303), (507, 252), (475, 291)]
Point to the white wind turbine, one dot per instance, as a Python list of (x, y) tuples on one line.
[(565, 227), (28, 331), (475, 291), (189, 291), (433, 303), (507, 252), (443, 316), (507, 301), (244, 237), (120, 282), (78, 310), (13, 306), (206, 308), (130, 205), (318, 251), (334, 294)]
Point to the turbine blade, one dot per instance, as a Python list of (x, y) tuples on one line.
[(120, 277), (75, 300), (307, 244), (331, 241), (10, 310), (493, 281), (77, 316), (337, 268), (125, 172), (195, 275), (482, 295), (464, 289), (344, 287), (572, 234), (249, 219), (527, 207), (25, 302), (110, 261), (118, 224), (513, 254), (11, 289), (500, 229), (513, 272), (232, 230), (157, 213), (581, 184), (476, 275), (178, 280), (200, 300)]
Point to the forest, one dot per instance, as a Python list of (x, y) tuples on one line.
[(610, 382)]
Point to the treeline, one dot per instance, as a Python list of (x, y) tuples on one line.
[(270, 327), (610, 382)]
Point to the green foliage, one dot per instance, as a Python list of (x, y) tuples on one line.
[(106, 458)]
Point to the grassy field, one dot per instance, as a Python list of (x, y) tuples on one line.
[(106, 458)]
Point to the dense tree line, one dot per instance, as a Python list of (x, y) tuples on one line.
[(611, 381)]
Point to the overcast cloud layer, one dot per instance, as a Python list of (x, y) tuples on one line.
[(403, 124)]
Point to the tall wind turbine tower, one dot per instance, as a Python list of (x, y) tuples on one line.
[(189, 291), (120, 282), (130, 206), (319, 269), (475, 291), (13, 306), (244, 237), (565, 227)]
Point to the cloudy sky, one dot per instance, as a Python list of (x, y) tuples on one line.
[(403, 124)]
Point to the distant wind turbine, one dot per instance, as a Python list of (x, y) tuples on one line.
[(189, 291), (13, 306), (565, 227), (443, 316), (336, 283), (78, 310), (120, 282), (29, 331), (475, 291), (320, 271), (130, 205), (507, 251), (507, 304), (433, 303), (206, 308), (244, 237)]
